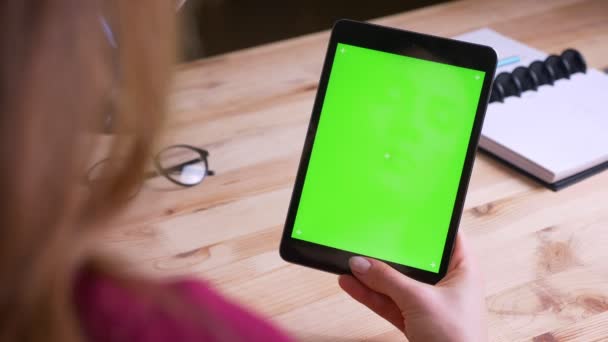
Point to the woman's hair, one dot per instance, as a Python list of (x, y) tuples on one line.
[(60, 79)]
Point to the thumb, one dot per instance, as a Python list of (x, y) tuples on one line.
[(384, 279)]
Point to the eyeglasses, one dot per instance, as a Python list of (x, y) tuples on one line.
[(183, 165)]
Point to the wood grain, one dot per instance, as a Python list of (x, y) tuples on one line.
[(543, 253)]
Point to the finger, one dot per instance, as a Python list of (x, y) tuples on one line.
[(461, 258), (458, 255), (378, 303), (384, 279)]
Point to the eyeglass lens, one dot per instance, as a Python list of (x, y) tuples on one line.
[(182, 165)]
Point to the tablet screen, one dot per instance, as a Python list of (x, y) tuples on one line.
[(388, 156)]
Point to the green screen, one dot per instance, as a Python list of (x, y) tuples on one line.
[(388, 156)]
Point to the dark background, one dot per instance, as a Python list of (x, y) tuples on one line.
[(211, 27)]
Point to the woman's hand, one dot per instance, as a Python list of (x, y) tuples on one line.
[(452, 310)]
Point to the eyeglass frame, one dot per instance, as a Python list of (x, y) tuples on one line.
[(166, 172)]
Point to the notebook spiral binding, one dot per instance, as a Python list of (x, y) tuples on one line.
[(538, 73)]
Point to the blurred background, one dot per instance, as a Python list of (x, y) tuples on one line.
[(212, 27)]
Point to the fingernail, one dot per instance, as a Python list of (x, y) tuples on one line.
[(359, 264)]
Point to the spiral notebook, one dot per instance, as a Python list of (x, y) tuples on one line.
[(548, 114)]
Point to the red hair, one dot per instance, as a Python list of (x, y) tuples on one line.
[(56, 71)]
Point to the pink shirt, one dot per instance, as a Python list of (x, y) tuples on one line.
[(110, 312)]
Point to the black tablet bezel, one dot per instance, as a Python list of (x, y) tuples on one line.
[(405, 43)]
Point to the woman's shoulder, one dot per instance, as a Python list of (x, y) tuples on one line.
[(115, 309)]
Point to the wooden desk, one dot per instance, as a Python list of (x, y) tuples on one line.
[(543, 253)]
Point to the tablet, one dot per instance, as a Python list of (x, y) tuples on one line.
[(389, 151)]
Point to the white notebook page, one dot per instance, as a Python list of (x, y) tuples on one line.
[(553, 133), (563, 128), (505, 47)]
